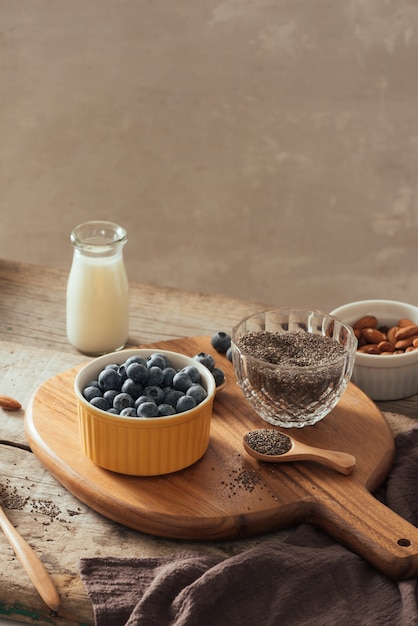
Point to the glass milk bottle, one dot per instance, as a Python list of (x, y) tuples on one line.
[(97, 289)]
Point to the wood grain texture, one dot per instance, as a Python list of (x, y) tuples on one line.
[(228, 494), (32, 309), (32, 564), (59, 528)]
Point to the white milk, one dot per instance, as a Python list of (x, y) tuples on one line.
[(98, 300)]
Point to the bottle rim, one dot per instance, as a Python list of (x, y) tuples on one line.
[(98, 236)]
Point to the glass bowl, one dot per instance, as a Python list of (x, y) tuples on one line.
[(293, 365)]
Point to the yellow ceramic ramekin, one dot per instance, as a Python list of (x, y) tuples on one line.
[(147, 446)]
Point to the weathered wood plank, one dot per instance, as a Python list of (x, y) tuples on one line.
[(32, 309)]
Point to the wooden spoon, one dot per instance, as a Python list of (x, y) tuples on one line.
[(31, 563), (273, 446)]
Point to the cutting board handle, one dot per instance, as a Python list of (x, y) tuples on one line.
[(372, 530)]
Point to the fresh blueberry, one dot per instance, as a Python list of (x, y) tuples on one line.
[(197, 392), (122, 373), (205, 359), (155, 393), (134, 389), (229, 354), (172, 396), (138, 372), (93, 383), (128, 412), (166, 409), (185, 403), (109, 379), (91, 392), (149, 383), (135, 359), (169, 373), (147, 409), (100, 403), (140, 400), (221, 341), (155, 375), (110, 395), (157, 360), (192, 372), (218, 375), (123, 401), (182, 381)]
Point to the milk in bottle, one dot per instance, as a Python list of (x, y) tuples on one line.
[(97, 289)]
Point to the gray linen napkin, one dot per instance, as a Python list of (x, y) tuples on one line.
[(308, 579)]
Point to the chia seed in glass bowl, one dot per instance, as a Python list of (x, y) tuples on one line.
[(293, 365)]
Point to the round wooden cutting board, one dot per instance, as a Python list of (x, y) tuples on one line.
[(228, 494)]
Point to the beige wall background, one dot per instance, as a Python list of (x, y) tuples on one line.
[(265, 149)]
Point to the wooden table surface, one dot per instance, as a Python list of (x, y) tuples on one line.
[(33, 348)]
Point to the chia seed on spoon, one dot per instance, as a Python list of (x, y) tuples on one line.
[(268, 441)]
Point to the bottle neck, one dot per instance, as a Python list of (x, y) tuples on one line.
[(98, 239)]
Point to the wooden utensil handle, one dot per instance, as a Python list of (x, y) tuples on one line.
[(342, 462), (31, 563), (372, 530)]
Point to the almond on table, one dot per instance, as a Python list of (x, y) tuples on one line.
[(9, 404)]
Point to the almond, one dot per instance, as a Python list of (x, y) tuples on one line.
[(9, 404), (357, 332), (405, 322), (361, 341), (378, 339), (406, 331), (385, 346), (391, 334), (367, 321), (401, 344), (369, 348), (372, 335)]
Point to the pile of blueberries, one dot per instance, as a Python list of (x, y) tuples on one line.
[(151, 387)]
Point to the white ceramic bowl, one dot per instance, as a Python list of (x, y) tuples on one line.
[(388, 377)]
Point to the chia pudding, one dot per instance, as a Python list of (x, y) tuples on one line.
[(292, 378)]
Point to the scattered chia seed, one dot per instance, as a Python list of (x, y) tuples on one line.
[(11, 499), (248, 479), (268, 441), (292, 378)]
